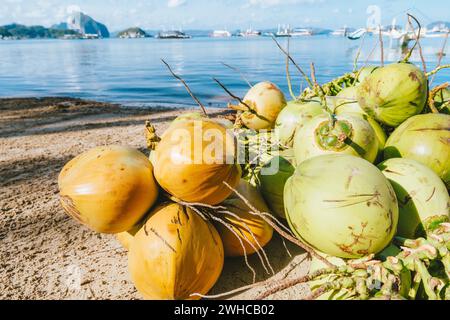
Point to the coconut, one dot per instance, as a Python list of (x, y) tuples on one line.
[(426, 139), (364, 72), (349, 135), (294, 115), (109, 189), (271, 183), (252, 230), (175, 254), (126, 237), (422, 197), (342, 205), (346, 102), (194, 158), (393, 93), (266, 101)]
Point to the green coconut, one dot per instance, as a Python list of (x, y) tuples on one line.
[(272, 179), (346, 102), (342, 205), (364, 72), (422, 196), (393, 93), (295, 115), (426, 139), (350, 135)]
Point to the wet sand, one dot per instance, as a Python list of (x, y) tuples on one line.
[(44, 254)]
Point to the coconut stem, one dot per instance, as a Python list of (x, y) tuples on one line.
[(187, 87), (305, 76), (424, 65), (358, 53), (288, 75), (441, 55), (408, 55), (245, 106), (432, 95), (437, 69), (320, 92), (239, 72), (380, 38), (282, 285), (421, 269), (150, 136)]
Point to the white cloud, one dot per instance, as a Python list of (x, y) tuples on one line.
[(175, 3)]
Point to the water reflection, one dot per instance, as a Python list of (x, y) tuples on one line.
[(130, 71)]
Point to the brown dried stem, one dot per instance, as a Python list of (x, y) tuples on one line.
[(287, 283), (441, 55), (239, 72), (293, 62), (380, 38), (408, 55), (186, 86), (432, 95), (418, 41)]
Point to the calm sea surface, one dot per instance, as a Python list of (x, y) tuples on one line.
[(130, 71)]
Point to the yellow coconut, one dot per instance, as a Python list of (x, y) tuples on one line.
[(126, 237), (266, 101), (175, 254), (194, 158), (109, 189), (249, 227)]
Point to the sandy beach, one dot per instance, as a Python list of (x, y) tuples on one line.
[(44, 254)]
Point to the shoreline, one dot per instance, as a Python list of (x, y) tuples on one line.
[(44, 254)]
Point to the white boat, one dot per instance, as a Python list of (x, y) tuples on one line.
[(172, 35), (249, 33), (301, 32), (284, 31), (220, 34), (438, 31), (394, 32), (357, 34), (341, 32)]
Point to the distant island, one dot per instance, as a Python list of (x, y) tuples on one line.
[(132, 33), (78, 26), (17, 31)]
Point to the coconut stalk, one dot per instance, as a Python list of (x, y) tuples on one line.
[(415, 257), (432, 95), (235, 69), (187, 88)]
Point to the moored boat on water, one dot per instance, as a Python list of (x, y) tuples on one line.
[(172, 35)]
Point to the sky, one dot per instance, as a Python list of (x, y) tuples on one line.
[(224, 14)]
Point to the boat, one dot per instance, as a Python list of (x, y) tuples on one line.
[(341, 32), (355, 35), (283, 31), (439, 30), (249, 33), (220, 34), (172, 35), (395, 32), (301, 32)]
